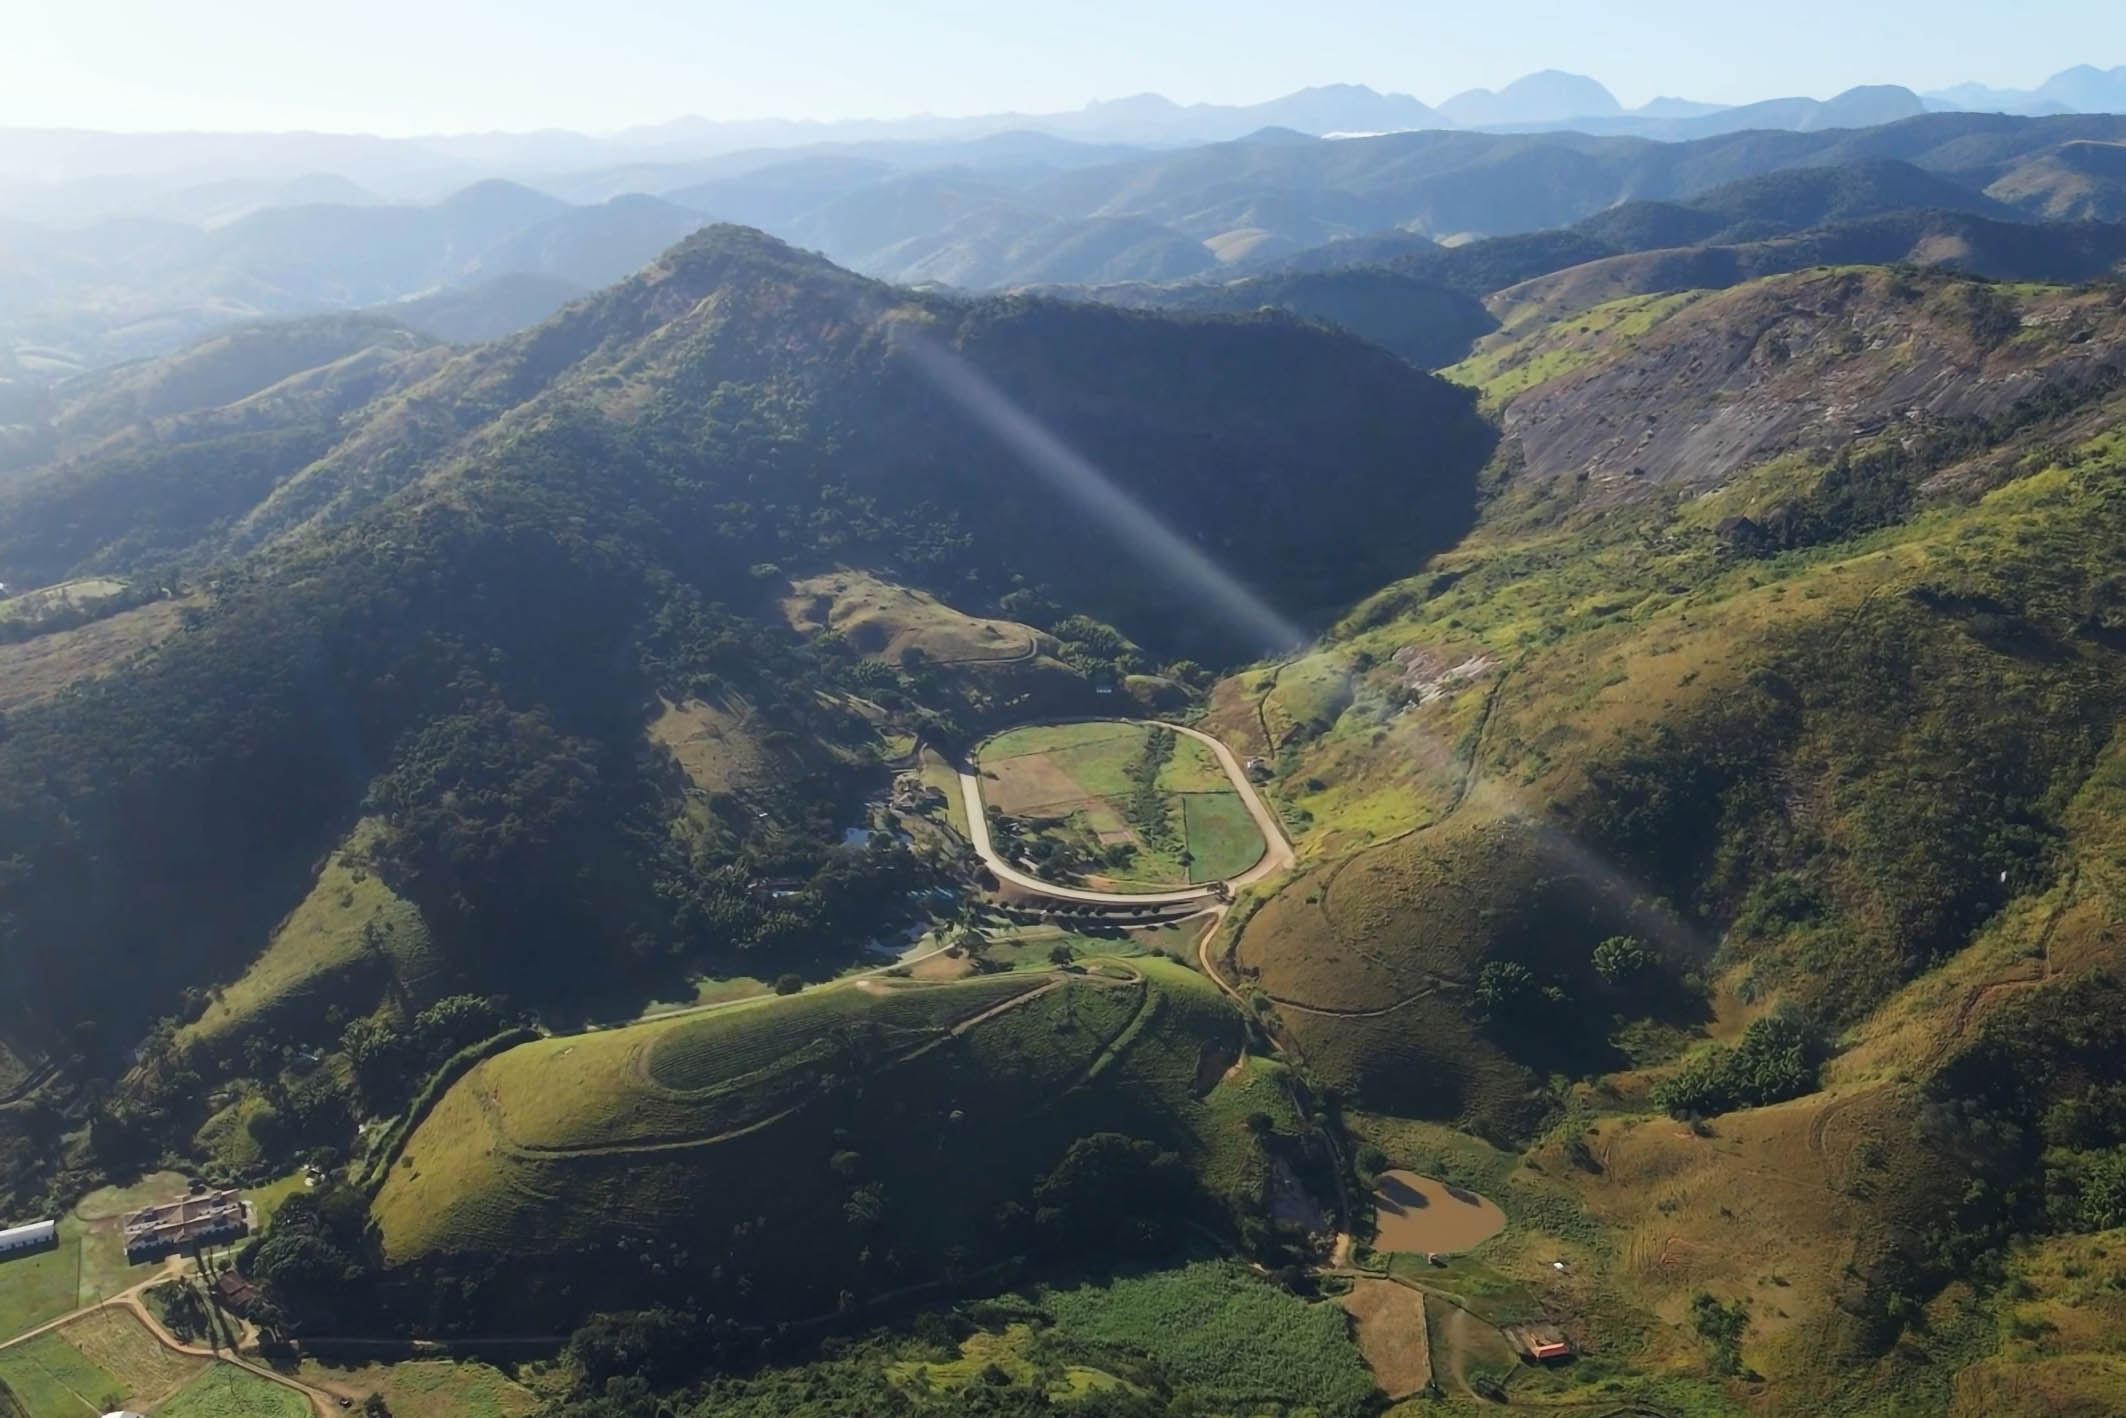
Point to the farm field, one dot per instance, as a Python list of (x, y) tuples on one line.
[(1389, 1324), (426, 1388), (116, 1342), (1111, 804), (52, 1379), (225, 1391), (1237, 1341)]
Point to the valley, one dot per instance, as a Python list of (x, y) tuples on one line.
[(1499, 789)]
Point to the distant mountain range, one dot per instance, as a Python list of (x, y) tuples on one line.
[(1011, 211), (70, 175)]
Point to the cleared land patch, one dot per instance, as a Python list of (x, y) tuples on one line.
[(225, 1391), (1113, 805), (887, 622), (1422, 1214), (714, 745), (1389, 1321), (35, 670), (427, 1388), (115, 1341)]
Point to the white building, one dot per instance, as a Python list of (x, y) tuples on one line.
[(34, 1236)]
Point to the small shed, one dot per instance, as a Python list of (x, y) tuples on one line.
[(1539, 1343), (33, 1236)]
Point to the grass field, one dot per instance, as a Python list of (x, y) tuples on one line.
[(1235, 1340), (225, 1391), (427, 1388), (557, 1145), (40, 1287), (52, 1379), (1076, 779)]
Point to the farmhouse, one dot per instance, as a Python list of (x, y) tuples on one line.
[(33, 1236), (155, 1231), (1538, 1343)]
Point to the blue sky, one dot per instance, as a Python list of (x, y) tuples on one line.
[(411, 66)]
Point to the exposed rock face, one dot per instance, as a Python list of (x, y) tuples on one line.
[(1803, 362)]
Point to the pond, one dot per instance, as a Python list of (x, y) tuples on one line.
[(1423, 1214)]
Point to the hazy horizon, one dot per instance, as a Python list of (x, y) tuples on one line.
[(478, 66)]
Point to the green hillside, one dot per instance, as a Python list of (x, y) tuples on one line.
[(456, 610), (854, 1138), (1819, 716)]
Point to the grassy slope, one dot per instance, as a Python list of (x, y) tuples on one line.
[(350, 940), (1604, 624), (427, 1388), (550, 1147)]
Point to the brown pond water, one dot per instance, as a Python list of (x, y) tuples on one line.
[(1420, 1214)]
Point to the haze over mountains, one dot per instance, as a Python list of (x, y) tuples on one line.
[(79, 291)]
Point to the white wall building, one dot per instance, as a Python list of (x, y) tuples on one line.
[(34, 1236)]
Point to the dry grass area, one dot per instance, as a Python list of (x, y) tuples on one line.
[(117, 1342), (714, 745), (885, 622), (426, 1388), (35, 670), (1390, 1323)]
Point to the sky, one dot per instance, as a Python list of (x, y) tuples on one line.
[(447, 66)]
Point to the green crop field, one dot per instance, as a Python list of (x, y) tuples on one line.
[(52, 1379), (1072, 786), (225, 1391), (1223, 840), (549, 1147), (1237, 1341)]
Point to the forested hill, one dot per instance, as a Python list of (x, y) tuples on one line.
[(454, 607)]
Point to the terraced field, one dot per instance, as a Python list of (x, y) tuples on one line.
[(929, 1105)]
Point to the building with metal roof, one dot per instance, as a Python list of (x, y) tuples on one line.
[(34, 1236)]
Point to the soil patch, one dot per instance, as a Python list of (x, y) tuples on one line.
[(1390, 1324), (1422, 1214)]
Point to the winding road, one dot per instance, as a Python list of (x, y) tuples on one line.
[(1277, 853)]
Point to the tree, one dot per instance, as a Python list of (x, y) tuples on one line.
[(1622, 958), (789, 983)]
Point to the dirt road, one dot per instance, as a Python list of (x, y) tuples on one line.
[(1277, 853)]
